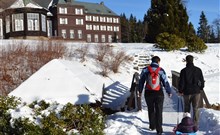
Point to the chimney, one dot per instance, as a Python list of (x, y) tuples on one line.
[(101, 3)]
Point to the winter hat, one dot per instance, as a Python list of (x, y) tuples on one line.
[(189, 59), (186, 114)]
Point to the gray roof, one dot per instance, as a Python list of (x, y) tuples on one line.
[(93, 8)]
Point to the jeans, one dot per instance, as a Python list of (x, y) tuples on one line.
[(194, 101), (155, 109)]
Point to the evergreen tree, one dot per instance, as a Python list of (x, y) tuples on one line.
[(124, 29), (203, 29), (166, 16)]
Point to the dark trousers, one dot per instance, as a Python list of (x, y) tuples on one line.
[(155, 109), (194, 101)]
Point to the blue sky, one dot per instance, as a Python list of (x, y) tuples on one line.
[(138, 8)]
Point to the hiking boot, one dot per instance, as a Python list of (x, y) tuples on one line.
[(151, 129)]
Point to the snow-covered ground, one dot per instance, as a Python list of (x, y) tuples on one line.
[(71, 81)]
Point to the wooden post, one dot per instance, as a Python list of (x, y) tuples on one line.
[(134, 99)]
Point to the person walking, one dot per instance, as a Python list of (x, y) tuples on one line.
[(153, 92), (190, 85)]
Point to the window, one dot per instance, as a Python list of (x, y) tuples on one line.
[(109, 28), (89, 38), (103, 38), (78, 11), (102, 19), (49, 28), (80, 34), (109, 19), (18, 22), (115, 20), (109, 38), (63, 33), (71, 34), (63, 21), (96, 38), (88, 27), (63, 10), (95, 18), (1, 29), (103, 28), (43, 22), (7, 19), (116, 28), (95, 27), (79, 21), (88, 18), (33, 21)]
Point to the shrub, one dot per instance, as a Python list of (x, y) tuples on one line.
[(101, 51), (117, 58), (169, 42), (81, 52), (7, 103), (83, 118), (195, 44), (19, 61)]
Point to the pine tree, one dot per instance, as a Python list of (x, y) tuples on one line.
[(203, 29), (166, 16), (124, 29)]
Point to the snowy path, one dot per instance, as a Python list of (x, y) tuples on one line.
[(137, 123)]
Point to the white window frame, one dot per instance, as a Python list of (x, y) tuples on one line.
[(72, 35), (115, 20), (95, 18), (109, 19), (49, 28), (7, 19), (89, 38), (103, 28), (63, 21), (18, 22), (62, 10), (79, 21), (103, 38), (109, 38), (43, 23), (109, 28), (116, 28), (88, 18), (79, 34), (78, 11), (63, 33), (88, 27), (1, 29), (102, 19), (33, 21), (96, 38), (95, 27)]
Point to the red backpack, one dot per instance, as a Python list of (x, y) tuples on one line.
[(153, 82)]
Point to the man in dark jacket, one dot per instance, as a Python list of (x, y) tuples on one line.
[(190, 85), (154, 98)]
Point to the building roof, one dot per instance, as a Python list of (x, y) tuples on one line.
[(93, 8), (25, 3), (7, 3)]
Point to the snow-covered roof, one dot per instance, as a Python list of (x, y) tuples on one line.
[(61, 81), (25, 3)]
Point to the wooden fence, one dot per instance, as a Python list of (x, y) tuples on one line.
[(134, 101)]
